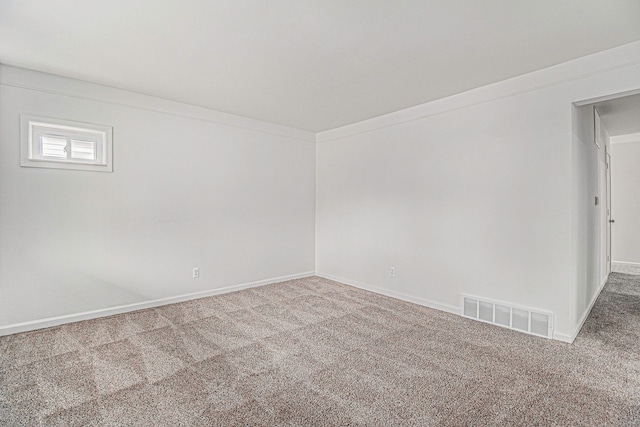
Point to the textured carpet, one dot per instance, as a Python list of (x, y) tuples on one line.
[(315, 352)]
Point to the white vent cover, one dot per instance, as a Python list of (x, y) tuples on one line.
[(528, 320)]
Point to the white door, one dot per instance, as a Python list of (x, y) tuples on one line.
[(609, 220)]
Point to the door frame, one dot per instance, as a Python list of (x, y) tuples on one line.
[(607, 158)]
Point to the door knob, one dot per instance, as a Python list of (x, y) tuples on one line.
[(612, 220)]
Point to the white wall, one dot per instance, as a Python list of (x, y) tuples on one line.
[(625, 201), (604, 143), (469, 194), (235, 199), (589, 219), (478, 193)]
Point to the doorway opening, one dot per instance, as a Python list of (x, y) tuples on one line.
[(619, 119), (606, 216)]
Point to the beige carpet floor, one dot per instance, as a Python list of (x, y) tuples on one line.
[(312, 352)]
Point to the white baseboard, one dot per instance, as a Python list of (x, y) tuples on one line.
[(442, 306), (559, 336), (393, 294), (76, 317), (632, 264), (625, 267), (570, 338)]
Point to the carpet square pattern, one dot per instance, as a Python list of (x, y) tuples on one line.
[(313, 352)]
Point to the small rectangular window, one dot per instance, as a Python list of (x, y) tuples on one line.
[(54, 146), (85, 150), (65, 144)]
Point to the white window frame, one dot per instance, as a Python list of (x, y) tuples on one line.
[(32, 128)]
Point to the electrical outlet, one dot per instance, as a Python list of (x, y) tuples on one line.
[(196, 272), (392, 271)]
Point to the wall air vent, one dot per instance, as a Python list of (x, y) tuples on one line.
[(529, 320)]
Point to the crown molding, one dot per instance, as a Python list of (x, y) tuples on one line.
[(621, 57), (25, 78), (625, 139)]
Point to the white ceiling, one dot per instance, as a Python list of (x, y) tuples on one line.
[(312, 65), (621, 116)]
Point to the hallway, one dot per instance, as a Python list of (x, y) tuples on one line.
[(614, 321)]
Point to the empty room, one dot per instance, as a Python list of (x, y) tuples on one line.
[(319, 213)]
